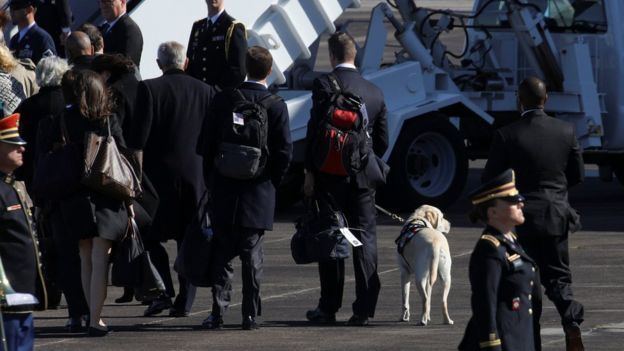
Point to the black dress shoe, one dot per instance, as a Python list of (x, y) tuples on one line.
[(158, 306), (357, 321), (74, 325), (574, 341), (249, 323), (318, 316), (127, 296), (174, 312), (213, 322), (97, 332)]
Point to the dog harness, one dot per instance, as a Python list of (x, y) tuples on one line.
[(407, 233)]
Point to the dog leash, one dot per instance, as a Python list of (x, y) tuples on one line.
[(390, 214)]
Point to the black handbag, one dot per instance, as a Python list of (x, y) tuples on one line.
[(126, 270), (132, 266), (57, 173), (318, 237), (193, 261)]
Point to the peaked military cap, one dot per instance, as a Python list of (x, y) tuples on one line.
[(503, 187), (9, 130), (21, 4)]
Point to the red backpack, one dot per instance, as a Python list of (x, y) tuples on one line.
[(340, 144)]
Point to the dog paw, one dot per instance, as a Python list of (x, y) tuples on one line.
[(449, 322), (422, 323), (405, 317)]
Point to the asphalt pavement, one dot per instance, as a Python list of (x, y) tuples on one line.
[(597, 256)]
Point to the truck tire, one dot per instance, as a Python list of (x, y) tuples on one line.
[(428, 165)]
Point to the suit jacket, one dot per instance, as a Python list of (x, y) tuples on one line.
[(37, 43), (350, 80), (546, 158), (53, 16), (248, 203), (124, 38), (503, 282), (170, 112), (48, 102), (208, 59)]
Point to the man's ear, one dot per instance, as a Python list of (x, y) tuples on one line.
[(186, 62)]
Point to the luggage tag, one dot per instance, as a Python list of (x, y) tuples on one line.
[(350, 237), (364, 113), (238, 119)]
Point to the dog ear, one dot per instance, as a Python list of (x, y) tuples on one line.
[(432, 218)]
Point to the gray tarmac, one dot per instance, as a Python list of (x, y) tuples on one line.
[(597, 256), (597, 262)]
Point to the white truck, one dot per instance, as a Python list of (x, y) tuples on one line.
[(443, 104)]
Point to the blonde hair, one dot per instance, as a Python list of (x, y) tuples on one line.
[(7, 61)]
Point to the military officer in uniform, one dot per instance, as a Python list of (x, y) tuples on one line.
[(502, 276), (18, 242), (217, 48), (31, 42)]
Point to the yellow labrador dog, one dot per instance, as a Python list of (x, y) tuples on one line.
[(422, 250)]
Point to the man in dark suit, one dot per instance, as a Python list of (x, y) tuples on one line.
[(31, 41), (121, 34), (244, 209), (547, 159), (217, 48), (172, 109), (55, 17), (353, 194)]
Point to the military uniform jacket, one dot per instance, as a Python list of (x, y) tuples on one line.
[(217, 54), (545, 155), (502, 280), (35, 45), (18, 242)]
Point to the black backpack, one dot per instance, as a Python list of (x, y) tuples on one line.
[(340, 143), (243, 149)]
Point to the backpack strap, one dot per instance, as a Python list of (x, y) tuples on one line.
[(335, 82), (268, 100)]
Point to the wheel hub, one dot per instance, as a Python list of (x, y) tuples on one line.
[(431, 164)]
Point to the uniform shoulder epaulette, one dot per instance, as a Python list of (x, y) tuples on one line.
[(491, 239)]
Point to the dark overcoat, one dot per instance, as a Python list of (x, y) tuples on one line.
[(170, 113), (212, 58), (248, 203), (124, 38), (85, 213), (47, 102), (504, 282), (545, 155)]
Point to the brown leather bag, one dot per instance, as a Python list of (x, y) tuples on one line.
[(107, 170)]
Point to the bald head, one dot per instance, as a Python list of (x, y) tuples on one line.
[(532, 93), (78, 44)]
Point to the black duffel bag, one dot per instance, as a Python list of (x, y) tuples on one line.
[(318, 237)]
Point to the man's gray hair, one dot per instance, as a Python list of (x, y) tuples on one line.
[(50, 71), (171, 54)]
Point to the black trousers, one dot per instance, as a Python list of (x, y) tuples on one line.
[(358, 205), (160, 259), (551, 255), (67, 265), (230, 241)]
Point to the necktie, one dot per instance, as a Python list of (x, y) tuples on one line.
[(209, 25), (105, 28)]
